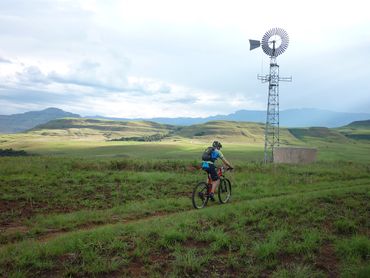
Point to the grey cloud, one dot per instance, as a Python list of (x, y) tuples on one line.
[(58, 78), (95, 75), (164, 89), (106, 76), (5, 61), (91, 74), (32, 75), (194, 55), (109, 74), (187, 100), (144, 88), (37, 97)]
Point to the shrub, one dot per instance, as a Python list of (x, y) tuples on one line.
[(358, 246), (345, 226), (11, 152)]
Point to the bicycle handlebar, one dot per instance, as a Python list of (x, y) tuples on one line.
[(228, 169)]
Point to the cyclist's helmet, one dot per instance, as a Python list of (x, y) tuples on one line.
[(216, 144)]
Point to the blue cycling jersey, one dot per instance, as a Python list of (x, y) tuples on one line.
[(215, 154)]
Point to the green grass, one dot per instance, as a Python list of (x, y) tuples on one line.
[(185, 149), (182, 237), (89, 207), (105, 216), (242, 141)]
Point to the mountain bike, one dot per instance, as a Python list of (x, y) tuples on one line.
[(202, 190)]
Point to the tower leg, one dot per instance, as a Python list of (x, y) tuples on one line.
[(272, 118)]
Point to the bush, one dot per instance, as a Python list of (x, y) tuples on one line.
[(11, 152), (345, 226), (358, 246), (150, 138)]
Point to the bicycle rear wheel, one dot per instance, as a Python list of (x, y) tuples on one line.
[(200, 195), (224, 191)]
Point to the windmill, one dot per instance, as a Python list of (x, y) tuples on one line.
[(274, 42)]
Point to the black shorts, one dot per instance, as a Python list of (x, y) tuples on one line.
[(212, 171)]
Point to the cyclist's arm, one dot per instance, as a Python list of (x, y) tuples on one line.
[(226, 162)]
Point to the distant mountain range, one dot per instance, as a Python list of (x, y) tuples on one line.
[(288, 118), (21, 122)]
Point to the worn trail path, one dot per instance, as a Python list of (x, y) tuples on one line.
[(52, 234)]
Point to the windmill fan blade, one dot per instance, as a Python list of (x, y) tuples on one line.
[(254, 44), (269, 41)]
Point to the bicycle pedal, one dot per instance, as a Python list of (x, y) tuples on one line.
[(201, 195)]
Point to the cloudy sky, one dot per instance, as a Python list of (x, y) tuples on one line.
[(169, 58)]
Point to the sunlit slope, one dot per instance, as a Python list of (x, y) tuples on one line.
[(103, 129), (242, 140), (359, 130), (250, 132), (359, 125), (335, 144), (321, 133), (85, 137), (231, 131)]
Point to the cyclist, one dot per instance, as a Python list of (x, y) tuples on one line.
[(208, 164)]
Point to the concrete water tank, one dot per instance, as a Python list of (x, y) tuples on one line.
[(294, 155)]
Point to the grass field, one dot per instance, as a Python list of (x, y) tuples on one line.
[(242, 141), (87, 217), (83, 206)]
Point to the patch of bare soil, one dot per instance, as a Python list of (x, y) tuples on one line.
[(161, 261), (327, 261), (16, 210), (13, 232), (287, 259), (220, 267), (191, 243), (13, 213)]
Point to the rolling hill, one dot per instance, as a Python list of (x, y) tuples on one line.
[(104, 129), (108, 130), (359, 124), (90, 137), (358, 130), (230, 131), (245, 132), (288, 118), (324, 133)]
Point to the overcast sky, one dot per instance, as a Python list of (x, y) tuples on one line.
[(174, 58)]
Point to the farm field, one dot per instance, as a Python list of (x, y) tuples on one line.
[(243, 141), (79, 217), (84, 206)]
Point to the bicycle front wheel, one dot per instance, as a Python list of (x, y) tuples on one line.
[(200, 195), (224, 191)]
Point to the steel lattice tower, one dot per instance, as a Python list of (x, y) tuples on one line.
[(273, 37)]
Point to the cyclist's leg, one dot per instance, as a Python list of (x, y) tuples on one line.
[(206, 168), (214, 176), (215, 184)]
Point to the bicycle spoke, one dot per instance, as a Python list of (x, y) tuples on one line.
[(224, 191), (200, 195)]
